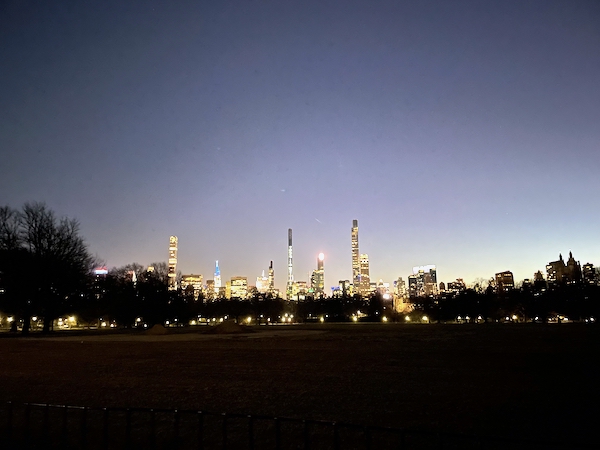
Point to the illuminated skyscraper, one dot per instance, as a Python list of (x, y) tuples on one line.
[(217, 282), (355, 257), (423, 281), (504, 282), (192, 284), (262, 283), (239, 287), (317, 280), (271, 278), (173, 263), (364, 284), (290, 283)]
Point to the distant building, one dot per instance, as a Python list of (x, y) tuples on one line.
[(423, 282), (345, 288), (400, 288), (504, 282), (210, 292), (193, 284), (289, 288), (383, 288), (172, 263), (317, 280), (557, 272), (355, 257), (239, 287), (217, 279), (300, 290), (271, 278), (539, 283), (364, 283), (262, 283), (589, 273), (456, 286)]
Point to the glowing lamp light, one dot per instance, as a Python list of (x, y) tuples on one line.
[(322, 319), (407, 318), (385, 319)]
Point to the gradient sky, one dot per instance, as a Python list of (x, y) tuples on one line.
[(464, 134)]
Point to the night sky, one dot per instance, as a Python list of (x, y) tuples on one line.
[(464, 134)]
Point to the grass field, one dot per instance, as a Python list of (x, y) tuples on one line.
[(513, 380)]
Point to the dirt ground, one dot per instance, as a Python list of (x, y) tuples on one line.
[(517, 380)]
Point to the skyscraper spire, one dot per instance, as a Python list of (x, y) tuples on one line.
[(217, 280), (355, 257), (271, 278), (290, 281)]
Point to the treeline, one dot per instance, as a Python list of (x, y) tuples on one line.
[(576, 301), (46, 273)]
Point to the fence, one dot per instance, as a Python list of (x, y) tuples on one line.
[(35, 425)]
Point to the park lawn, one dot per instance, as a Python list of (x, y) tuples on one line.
[(515, 380)]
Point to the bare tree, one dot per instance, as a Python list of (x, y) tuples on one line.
[(50, 253)]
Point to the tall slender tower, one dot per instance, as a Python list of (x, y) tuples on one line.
[(318, 277), (217, 281), (365, 278), (172, 263), (355, 257), (290, 282), (271, 278)]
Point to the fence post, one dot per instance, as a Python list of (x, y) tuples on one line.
[(9, 411), (26, 428), (306, 436), (277, 434), (84, 427), (176, 429), (128, 428), (336, 436), (65, 435), (224, 430), (367, 438), (251, 432), (46, 431), (152, 429), (200, 430), (105, 427)]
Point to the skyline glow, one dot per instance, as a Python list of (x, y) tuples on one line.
[(462, 134)]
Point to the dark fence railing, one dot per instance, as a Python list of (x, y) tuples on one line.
[(35, 425)]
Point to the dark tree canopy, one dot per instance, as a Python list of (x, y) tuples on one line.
[(44, 263)]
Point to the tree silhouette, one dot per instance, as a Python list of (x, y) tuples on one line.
[(50, 254)]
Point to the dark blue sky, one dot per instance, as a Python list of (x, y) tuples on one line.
[(464, 134)]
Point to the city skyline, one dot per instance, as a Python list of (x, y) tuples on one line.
[(461, 134), (364, 265)]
